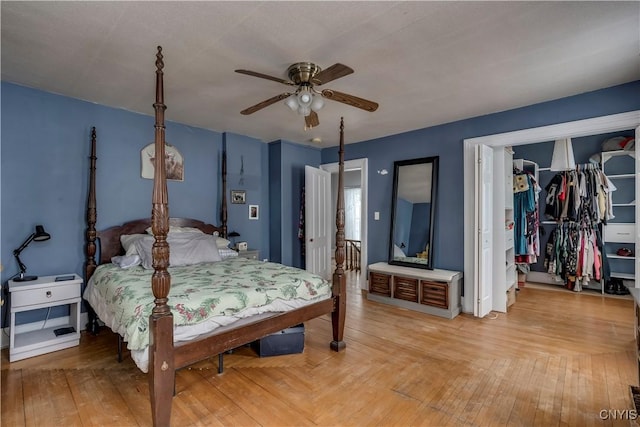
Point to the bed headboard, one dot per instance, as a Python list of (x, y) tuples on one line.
[(109, 239)]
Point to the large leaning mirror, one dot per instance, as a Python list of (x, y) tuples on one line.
[(413, 212)]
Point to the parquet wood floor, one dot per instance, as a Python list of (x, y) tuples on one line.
[(556, 359)]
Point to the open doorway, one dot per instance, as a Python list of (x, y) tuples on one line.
[(480, 283), (355, 191)]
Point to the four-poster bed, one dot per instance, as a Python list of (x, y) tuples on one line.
[(164, 355)]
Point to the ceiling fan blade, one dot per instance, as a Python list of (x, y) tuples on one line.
[(334, 72), (354, 101), (312, 120), (265, 76), (266, 103)]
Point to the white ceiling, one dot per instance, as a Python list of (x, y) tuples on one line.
[(425, 63)]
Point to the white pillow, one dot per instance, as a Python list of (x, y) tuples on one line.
[(126, 261), (184, 249), (174, 229), (222, 243), (128, 243)]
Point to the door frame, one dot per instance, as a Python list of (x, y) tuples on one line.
[(578, 128), (363, 165)]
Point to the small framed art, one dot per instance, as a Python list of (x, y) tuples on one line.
[(238, 196), (254, 211)]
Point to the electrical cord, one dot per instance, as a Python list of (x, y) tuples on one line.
[(46, 317)]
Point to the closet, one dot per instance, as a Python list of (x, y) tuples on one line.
[(587, 238), (483, 240)]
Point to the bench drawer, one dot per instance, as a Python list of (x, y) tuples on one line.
[(380, 284), (435, 294), (405, 288)]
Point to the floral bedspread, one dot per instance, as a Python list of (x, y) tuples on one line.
[(199, 292)]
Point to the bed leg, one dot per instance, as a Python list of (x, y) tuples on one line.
[(220, 363), (161, 369), (338, 314), (119, 349), (92, 325)]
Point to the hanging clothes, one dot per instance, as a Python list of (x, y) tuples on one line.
[(526, 220), (579, 200)]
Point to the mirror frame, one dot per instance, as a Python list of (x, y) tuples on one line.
[(432, 214)]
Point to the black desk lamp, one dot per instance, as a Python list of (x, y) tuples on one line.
[(39, 236)]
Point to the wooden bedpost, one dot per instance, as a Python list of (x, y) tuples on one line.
[(91, 234), (161, 365), (223, 208), (339, 280)]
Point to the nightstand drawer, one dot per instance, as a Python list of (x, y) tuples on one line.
[(249, 254), (44, 295)]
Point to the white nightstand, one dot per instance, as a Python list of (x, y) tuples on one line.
[(44, 292), (250, 254)]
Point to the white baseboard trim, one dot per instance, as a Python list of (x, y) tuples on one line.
[(58, 321)]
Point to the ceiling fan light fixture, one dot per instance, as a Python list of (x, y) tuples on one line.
[(292, 102), (305, 98), (317, 103), (304, 110)]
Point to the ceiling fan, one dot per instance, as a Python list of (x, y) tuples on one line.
[(306, 99)]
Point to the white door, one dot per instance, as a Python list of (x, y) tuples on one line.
[(317, 221), (483, 227)]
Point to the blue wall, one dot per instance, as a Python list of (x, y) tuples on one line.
[(446, 141), (44, 165), (401, 231), (286, 176), (419, 228), (45, 150), (251, 177)]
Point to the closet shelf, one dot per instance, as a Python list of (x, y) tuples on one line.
[(622, 175), (627, 276), (615, 153), (623, 204), (616, 256)]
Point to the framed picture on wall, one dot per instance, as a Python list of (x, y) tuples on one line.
[(238, 196), (174, 163), (254, 211)]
